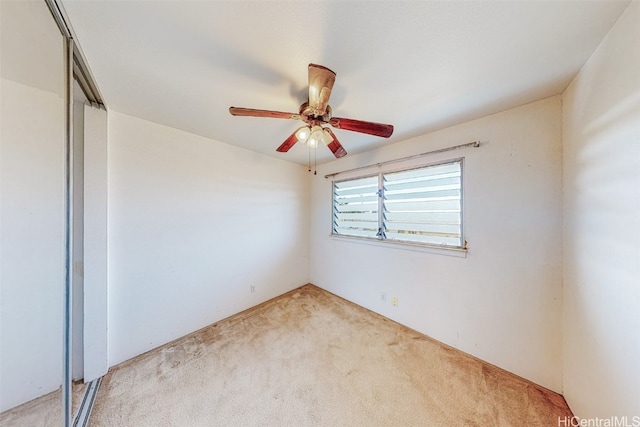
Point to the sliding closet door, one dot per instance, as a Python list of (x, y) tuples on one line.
[(32, 211)]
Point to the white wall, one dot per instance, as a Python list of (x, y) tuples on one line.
[(193, 223), (502, 302), (601, 174), (31, 243)]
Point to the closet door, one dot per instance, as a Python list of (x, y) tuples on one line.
[(32, 214)]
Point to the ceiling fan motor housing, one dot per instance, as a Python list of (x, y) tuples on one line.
[(309, 116)]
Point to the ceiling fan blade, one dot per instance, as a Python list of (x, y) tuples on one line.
[(288, 143), (371, 128), (251, 112), (336, 148), (321, 81)]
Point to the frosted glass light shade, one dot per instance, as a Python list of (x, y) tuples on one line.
[(303, 133), (316, 137)]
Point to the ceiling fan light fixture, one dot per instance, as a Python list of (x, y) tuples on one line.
[(303, 134), (312, 142), (326, 136), (316, 137)]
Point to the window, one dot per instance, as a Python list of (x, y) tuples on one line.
[(419, 206)]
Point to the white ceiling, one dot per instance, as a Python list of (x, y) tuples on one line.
[(418, 65), (32, 46)]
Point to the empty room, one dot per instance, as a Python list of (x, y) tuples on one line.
[(319, 213)]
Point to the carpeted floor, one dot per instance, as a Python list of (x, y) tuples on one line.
[(309, 358), (45, 411)]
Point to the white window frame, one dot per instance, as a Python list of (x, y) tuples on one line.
[(380, 238)]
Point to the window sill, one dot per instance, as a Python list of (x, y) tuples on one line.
[(408, 246)]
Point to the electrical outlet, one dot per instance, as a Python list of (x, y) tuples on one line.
[(394, 301), (253, 289)]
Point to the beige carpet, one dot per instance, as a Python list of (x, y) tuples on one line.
[(309, 358), (45, 411)]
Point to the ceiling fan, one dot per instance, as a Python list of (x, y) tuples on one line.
[(316, 113)]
